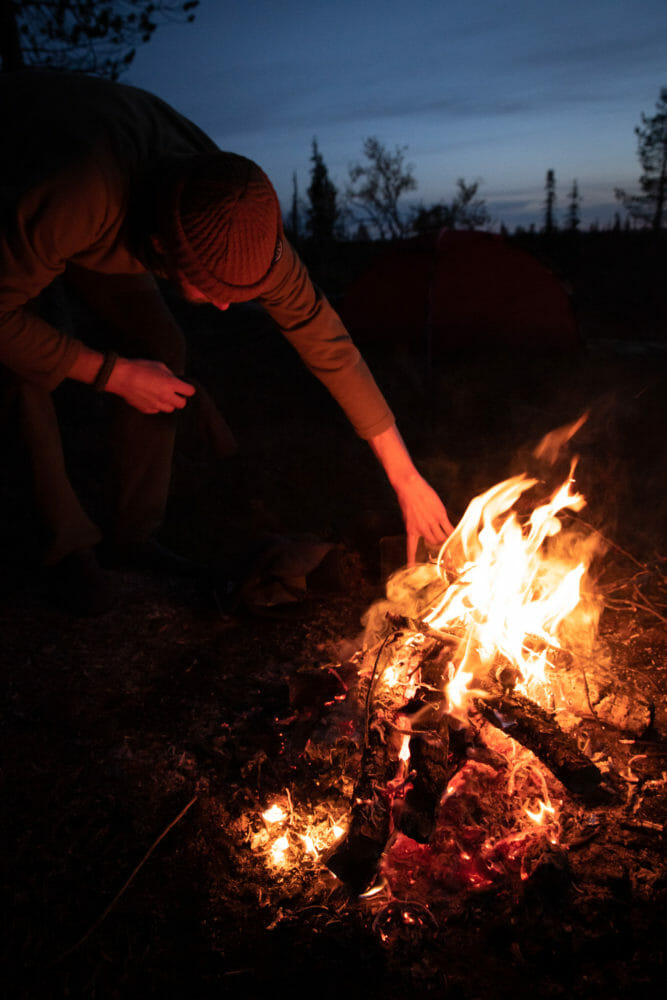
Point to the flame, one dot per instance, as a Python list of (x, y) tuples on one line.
[(552, 443), (538, 815), (457, 688), (511, 587)]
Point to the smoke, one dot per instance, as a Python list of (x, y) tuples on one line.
[(410, 593)]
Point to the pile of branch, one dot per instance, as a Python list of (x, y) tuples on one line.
[(386, 801)]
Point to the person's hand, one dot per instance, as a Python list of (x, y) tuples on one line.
[(423, 511), (149, 386), (424, 514)]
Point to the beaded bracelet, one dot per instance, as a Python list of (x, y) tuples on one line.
[(104, 374)]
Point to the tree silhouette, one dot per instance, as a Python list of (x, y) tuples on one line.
[(649, 207), (293, 223), (573, 208), (465, 211), (90, 36), (323, 212), (375, 187), (550, 202), (430, 219)]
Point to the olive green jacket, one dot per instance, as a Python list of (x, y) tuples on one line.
[(75, 150)]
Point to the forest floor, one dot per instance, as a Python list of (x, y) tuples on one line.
[(140, 747)]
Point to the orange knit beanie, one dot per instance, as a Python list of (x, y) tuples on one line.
[(222, 227)]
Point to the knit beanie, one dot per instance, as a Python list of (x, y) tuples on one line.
[(221, 226)]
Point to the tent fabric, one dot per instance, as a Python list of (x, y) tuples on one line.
[(460, 290)]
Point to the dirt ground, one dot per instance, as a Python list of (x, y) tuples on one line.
[(139, 747)]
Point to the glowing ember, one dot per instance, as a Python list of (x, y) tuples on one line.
[(278, 849), (374, 890), (306, 834), (275, 814), (309, 845), (404, 752)]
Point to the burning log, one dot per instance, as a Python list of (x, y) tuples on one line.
[(429, 776), (431, 764), (355, 861), (536, 730)]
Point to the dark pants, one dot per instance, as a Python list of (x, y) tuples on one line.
[(139, 326)]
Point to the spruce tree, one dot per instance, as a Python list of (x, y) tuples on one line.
[(550, 202), (323, 212), (649, 206), (574, 209)]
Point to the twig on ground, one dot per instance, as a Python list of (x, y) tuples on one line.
[(608, 588), (91, 930), (619, 604), (608, 541)]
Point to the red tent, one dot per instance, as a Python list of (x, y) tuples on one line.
[(461, 289)]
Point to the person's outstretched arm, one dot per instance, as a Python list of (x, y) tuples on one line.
[(423, 511)]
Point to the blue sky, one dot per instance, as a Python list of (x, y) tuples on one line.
[(492, 91)]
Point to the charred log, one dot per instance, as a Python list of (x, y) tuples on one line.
[(430, 763), (536, 730), (355, 860)]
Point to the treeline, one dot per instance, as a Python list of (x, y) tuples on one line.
[(101, 38), (371, 205)]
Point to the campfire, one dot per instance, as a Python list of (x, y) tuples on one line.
[(456, 758)]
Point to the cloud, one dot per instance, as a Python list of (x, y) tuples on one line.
[(505, 88)]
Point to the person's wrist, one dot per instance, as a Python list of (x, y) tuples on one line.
[(403, 478), (105, 371), (117, 378)]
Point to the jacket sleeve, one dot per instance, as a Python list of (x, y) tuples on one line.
[(315, 330), (76, 217)]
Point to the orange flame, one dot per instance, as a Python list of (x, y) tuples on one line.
[(511, 590), (538, 815)]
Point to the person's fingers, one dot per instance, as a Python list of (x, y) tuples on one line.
[(185, 388), (433, 538), (412, 543), (439, 532), (447, 525)]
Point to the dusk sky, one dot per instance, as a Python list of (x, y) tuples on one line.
[(496, 91)]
